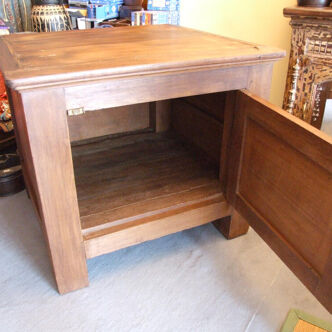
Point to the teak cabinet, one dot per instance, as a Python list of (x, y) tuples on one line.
[(130, 134)]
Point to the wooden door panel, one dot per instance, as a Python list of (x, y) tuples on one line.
[(280, 180)]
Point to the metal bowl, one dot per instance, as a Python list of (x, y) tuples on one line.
[(314, 3)]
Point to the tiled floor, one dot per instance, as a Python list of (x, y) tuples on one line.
[(191, 281)]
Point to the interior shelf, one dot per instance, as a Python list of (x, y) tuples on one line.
[(141, 179)]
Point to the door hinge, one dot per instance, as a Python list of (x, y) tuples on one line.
[(76, 111)]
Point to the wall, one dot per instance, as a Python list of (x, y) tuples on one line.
[(258, 21)]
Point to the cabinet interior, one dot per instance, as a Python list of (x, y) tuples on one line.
[(150, 165)]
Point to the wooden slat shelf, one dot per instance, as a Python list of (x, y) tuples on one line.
[(136, 181)]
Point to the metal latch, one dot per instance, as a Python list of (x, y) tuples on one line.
[(76, 111)]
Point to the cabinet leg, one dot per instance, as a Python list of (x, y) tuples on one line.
[(47, 152), (232, 227)]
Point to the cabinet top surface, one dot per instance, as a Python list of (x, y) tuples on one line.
[(318, 12), (67, 57)]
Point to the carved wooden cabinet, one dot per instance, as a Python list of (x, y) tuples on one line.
[(310, 64), (130, 134)]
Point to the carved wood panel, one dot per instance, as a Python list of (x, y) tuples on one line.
[(310, 68)]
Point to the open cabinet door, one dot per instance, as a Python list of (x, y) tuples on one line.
[(280, 180)]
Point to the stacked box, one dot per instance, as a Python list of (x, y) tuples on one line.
[(170, 7), (164, 5), (78, 4), (104, 9), (154, 17), (125, 11), (94, 9), (77, 9)]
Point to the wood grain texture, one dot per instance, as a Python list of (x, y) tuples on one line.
[(229, 112), (212, 104), (145, 186), (73, 56), (198, 128), (23, 148), (124, 177), (6, 58), (287, 178), (49, 152), (160, 116), (324, 289), (109, 175), (199, 120), (163, 116), (150, 88), (259, 82), (153, 227), (108, 121), (260, 79)]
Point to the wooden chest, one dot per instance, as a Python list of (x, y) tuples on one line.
[(168, 131)]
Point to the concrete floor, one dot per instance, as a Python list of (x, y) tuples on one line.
[(190, 281)]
